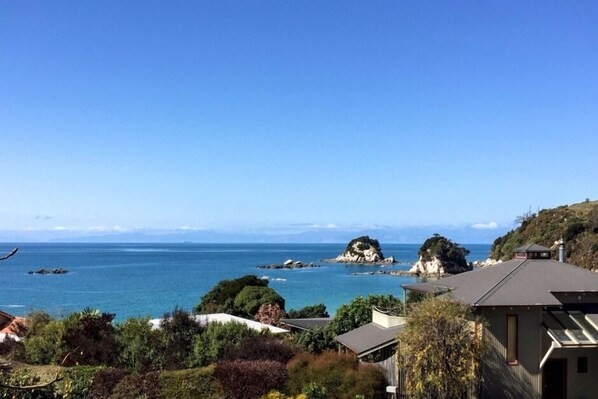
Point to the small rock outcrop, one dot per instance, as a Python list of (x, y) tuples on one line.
[(49, 271), (364, 250), (438, 256), (289, 264)]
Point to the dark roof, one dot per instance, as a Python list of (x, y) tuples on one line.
[(307, 324), (532, 248), (369, 338), (517, 282)]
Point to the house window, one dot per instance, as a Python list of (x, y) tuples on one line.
[(582, 365), (512, 339)]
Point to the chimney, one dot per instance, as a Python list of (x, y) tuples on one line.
[(561, 250)]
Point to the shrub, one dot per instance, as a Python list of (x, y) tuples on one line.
[(90, 338), (104, 382), (307, 312), (263, 347), (199, 383), (24, 377), (138, 344), (177, 333), (242, 379), (221, 297), (359, 312), (315, 341), (211, 345), (46, 346), (341, 375), (249, 300), (77, 381), (142, 386)]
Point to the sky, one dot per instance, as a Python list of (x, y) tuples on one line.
[(293, 117)]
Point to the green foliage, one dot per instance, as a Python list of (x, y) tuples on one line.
[(77, 382), (199, 383), (24, 377), (451, 255), (178, 331), (105, 381), (139, 386), (90, 338), (46, 346), (315, 341), (241, 379), (308, 312), (262, 347), (315, 391), (138, 343), (577, 224), (221, 297), (211, 345), (359, 312), (363, 243), (340, 375), (249, 300), (440, 349)]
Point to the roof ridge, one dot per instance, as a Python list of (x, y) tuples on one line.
[(500, 282)]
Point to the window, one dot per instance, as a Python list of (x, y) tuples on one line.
[(582, 365), (512, 339)]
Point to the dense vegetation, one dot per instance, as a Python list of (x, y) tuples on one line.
[(576, 224), (451, 254), (362, 244), (97, 358)]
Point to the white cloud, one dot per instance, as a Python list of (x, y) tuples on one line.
[(60, 228), (485, 226)]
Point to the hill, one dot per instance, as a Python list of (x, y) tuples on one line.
[(576, 224)]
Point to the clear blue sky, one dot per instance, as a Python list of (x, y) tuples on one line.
[(285, 114)]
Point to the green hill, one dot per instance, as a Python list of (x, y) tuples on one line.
[(576, 224)]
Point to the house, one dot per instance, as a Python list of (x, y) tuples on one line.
[(223, 318), (11, 326), (376, 342), (542, 324)]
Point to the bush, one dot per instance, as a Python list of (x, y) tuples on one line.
[(77, 382), (138, 344), (177, 332), (359, 312), (307, 312), (340, 375), (142, 386), (24, 377), (197, 383), (211, 345), (104, 382), (90, 338), (221, 297), (249, 300), (46, 346), (315, 341), (263, 347), (242, 379)]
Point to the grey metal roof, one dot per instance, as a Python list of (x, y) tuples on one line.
[(369, 338), (517, 282), (532, 248), (307, 324)]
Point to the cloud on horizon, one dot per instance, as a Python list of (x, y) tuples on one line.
[(485, 226)]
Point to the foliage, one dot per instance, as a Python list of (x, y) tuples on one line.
[(308, 312), (364, 243), (242, 379), (269, 313), (105, 381), (211, 345), (138, 344), (262, 347), (315, 341), (90, 338), (198, 383), (46, 346), (77, 382), (178, 331), (451, 255), (577, 224), (341, 375), (279, 395), (439, 349), (142, 386), (359, 312), (249, 300), (221, 297), (24, 377)]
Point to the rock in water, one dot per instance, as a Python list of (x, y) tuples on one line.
[(439, 255), (363, 250)]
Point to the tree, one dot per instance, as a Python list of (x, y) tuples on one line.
[(308, 312), (221, 297), (211, 345), (178, 331), (440, 349), (138, 344), (359, 312), (248, 301)]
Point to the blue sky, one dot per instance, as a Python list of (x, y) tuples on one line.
[(293, 116)]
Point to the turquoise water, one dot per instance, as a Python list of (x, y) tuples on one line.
[(150, 279)]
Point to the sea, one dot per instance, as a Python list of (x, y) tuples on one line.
[(147, 280)]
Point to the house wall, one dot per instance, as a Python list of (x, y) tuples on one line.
[(579, 385), (502, 380)]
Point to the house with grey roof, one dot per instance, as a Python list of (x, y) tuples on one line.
[(542, 324)]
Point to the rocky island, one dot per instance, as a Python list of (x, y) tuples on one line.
[(440, 256), (289, 264), (48, 271), (364, 250)]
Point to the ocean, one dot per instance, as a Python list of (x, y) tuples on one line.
[(133, 280)]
